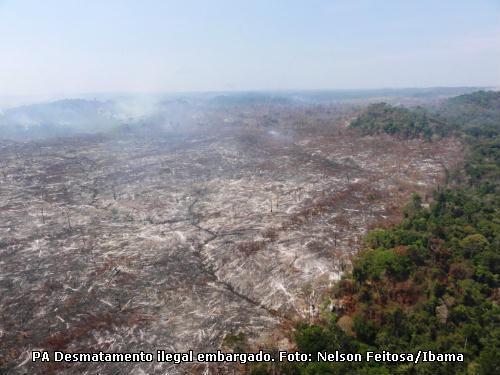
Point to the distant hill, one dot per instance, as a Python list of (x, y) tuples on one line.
[(407, 123), (64, 117), (428, 93), (301, 97), (475, 112), (245, 99), (71, 116)]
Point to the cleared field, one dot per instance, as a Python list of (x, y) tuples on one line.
[(124, 243)]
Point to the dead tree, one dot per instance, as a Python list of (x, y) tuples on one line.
[(68, 220)]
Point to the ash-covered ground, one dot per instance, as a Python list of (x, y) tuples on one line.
[(177, 240)]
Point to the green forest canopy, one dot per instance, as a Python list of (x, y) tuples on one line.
[(476, 114)]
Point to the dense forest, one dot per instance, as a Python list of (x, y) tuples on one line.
[(399, 121), (477, 114), (432, 281)]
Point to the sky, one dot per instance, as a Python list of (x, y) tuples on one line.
[(67, 47)]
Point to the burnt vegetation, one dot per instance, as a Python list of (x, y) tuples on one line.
[(232, 223)]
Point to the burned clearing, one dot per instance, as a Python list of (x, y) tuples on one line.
[(126, 242)]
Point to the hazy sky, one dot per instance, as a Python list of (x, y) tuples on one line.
[(79, 46)]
